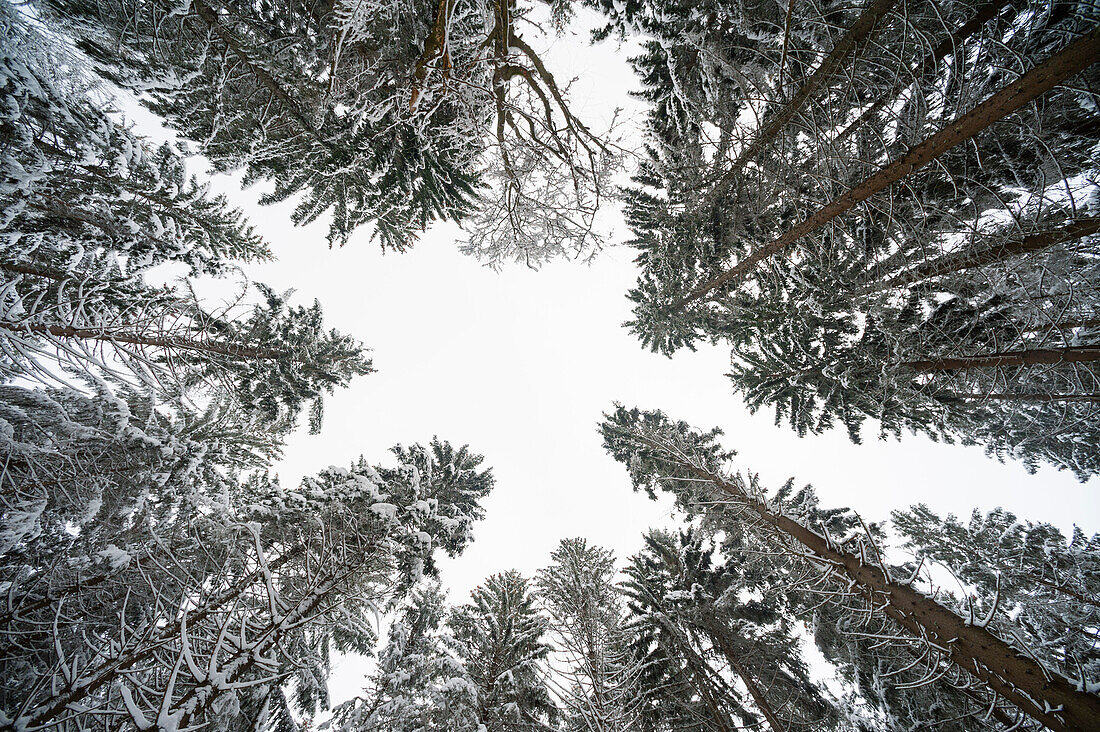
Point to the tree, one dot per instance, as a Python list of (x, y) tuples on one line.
[(693, 606), (598, 686), (1030, 571), (391, 113), (782, 208), (89, 209), (249, 596), (850, 572), (419, 684), (76, 181), (498, 635)]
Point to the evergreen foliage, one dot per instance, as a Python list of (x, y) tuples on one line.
[(957, 302), (912, 650), (498, 636), (395, 114)]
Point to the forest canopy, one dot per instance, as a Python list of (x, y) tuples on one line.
[(886, 211)]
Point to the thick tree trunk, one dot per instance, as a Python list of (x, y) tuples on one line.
[(821, 76), (1042, 78), (981, 256), (1033, 357), (183, 344), (435, 46), (1044, 695)]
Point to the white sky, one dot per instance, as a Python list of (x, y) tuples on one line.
[(521, 364)]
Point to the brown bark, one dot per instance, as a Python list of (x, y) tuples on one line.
[(821, 76), (1012, 675), (183, 344), (435, 46), (755, 691), (1044, 695), (1025, 397), (980, 257), (1042, 78), (30, 269), (949, 46), (1032, 357)]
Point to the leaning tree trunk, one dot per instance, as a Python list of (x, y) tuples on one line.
[(950, 45), (859, 32), (982, 255), (231, 350), (1044, 695), (1033, 357), (112, 670), (757, 694), (1042, 78)]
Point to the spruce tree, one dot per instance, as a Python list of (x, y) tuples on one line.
[(587, 627), (949, 646), (498, 635), (419, 684), (694, 605), (887, 212), (244, 595)]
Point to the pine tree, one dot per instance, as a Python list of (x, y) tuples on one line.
[(498, 636), (419, 684), (586, 610), (823, 191), (849, 572), (244, 598)]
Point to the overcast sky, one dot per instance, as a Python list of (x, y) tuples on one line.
[(520, 365)]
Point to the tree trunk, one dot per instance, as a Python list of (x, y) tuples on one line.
[(862, 28), (183, 344), (1024, 397), (949, 45), (1033, 357), (979, 257), (755, 691), (1042, 78), (1044, 695), (112, 669), (435, 46)]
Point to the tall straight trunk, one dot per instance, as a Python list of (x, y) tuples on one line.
[(980, 256), (1032, 357), (821, 77), (1042, 694), (950, 45), (1042, 78), (184, 344), (755, 691), (1008, 397)]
